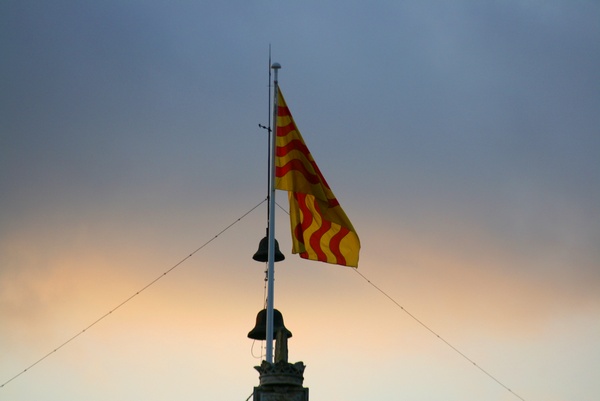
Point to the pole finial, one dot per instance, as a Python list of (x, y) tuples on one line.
[(275, 66)]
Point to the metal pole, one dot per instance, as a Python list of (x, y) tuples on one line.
[(271, 254)]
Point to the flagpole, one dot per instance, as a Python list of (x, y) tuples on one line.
[(271, 252)]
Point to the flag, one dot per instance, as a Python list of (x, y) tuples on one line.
[(320, 229)]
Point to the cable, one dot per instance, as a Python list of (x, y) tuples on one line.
[(208, 242), (430, 330), (438, 336), (132, 296), (282, 208)]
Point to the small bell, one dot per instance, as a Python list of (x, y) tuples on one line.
[(262, 255), (259, 332)]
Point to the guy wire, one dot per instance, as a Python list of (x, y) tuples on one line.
[(429, 329), (132, 296), (438, 336)]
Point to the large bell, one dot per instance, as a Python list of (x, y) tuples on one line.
[(262, 255), (259, 332)]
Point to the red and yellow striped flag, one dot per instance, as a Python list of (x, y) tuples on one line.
[(320, 228)]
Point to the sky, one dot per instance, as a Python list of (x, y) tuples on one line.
[(461, 138)]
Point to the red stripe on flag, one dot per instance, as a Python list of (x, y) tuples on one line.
[(283, 130), (296, 165), (315, 240), (283, 111), (294, 144), (334, 245), (307, 216), (305, 220)]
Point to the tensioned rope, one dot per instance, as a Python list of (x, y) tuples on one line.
[(208, 242), (431, 330), (133, 296), (438, 336)]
